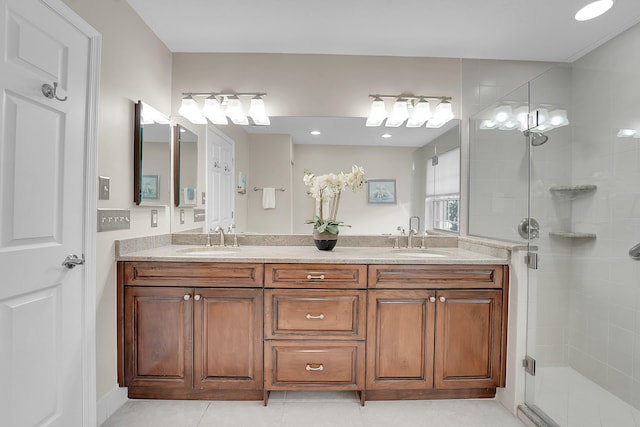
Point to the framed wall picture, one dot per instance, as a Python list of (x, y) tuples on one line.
[(382, 191), (150, 187)]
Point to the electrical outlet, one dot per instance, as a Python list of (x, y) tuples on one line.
[(154, 217), (181, 216), (204, 199), (103, 187)]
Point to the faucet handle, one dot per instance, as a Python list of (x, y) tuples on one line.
[(401, 230)]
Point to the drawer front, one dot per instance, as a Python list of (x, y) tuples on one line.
[(315, 314), (193, 274), (323, 276), (437, 276), (303, 365)]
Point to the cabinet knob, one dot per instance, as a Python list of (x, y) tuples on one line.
[(432, 299), (442, 299), (187, 297), (310, 277), (320, 367), (197, 297), (311, 316)]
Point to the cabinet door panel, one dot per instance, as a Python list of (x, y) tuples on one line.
[(228, 338), (468, 344), (158, 332), (400, 340)]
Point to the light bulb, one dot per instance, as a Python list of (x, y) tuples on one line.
[(378, 113), (443, 114), (189, 110), (234, 111), (558, 118), (257, 112), (502, 113), (421, 113), (213, 111), (399, 114)]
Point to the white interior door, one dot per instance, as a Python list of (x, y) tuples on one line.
[(42, 217), (220, 179)]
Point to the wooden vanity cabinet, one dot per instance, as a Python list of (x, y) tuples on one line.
[(200, 341), (435, 331), (315, 317)]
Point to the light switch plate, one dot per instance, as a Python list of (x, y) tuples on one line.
[(181, 216), (113, 219), (203, 198), (154, 217), (103, 187)]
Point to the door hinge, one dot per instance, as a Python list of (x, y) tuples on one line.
[(531, 260), (529, 365), (434, 161)]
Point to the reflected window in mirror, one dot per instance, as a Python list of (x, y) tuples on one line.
[(442, 199), (152, 156), (185, 165)]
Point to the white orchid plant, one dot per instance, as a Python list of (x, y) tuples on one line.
[(327, 189)]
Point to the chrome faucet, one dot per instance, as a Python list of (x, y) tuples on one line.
[(412, 233), (220, 231), (208, 245), (230, 230)]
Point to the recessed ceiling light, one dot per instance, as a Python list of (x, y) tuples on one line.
[(386, 135), (593, 10), (315, 132)]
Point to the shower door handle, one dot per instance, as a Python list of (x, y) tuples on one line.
[(529, 228)]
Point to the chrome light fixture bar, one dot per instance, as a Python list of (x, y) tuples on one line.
[(414, 110), (220, 106)]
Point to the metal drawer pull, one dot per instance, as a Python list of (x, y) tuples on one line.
[(311, 316), (311, 368), (310, 277)]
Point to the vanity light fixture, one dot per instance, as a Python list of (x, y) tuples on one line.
[(218, 106), (414, 110), (593, 10), (386, 135), (149, 115)]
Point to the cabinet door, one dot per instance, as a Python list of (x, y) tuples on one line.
[(468, 339), (228, 339), (158, 331), (400, 327)]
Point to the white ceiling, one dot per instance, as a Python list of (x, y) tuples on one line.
[(541, 30)]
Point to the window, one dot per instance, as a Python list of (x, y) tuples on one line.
[(442, 198)]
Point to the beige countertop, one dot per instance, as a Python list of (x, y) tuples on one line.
[(310, 254)]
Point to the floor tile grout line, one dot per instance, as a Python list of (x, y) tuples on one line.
[(203, 414)]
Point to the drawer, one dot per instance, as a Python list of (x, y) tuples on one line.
[(437, 276), (315, 276), (309, 365), (193, 274), (315, 314)]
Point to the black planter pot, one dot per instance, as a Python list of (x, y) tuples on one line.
[(324, 241)]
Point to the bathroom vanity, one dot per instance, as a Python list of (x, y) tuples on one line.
[(239, 324)]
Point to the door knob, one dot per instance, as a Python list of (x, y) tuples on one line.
[(72, 260)]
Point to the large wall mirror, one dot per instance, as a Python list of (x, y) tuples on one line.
[(152, 156), (423, 162), (185, 166)]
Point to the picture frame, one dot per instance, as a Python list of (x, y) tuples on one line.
[(150, 187), (381, 191)]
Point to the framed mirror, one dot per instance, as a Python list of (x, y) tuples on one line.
[(151, 156), (185, 167), (277, 155)]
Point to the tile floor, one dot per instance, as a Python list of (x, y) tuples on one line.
[(306, 409), (572, 400)]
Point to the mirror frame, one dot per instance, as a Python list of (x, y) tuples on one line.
[(137, 153), (176, 165)]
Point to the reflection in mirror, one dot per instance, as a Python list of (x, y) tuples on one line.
[(152, 156), (277, 155), (185, 165)]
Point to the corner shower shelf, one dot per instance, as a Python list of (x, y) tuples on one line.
[(570, 192), (572, 235)]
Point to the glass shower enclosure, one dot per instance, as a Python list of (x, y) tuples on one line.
[(548, 168)]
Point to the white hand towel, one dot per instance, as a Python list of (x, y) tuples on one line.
[(268, 198)]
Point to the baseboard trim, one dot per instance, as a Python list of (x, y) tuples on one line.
[(110, 403)]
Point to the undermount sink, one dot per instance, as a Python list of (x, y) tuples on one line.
[(209, 251), (421, 253)]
